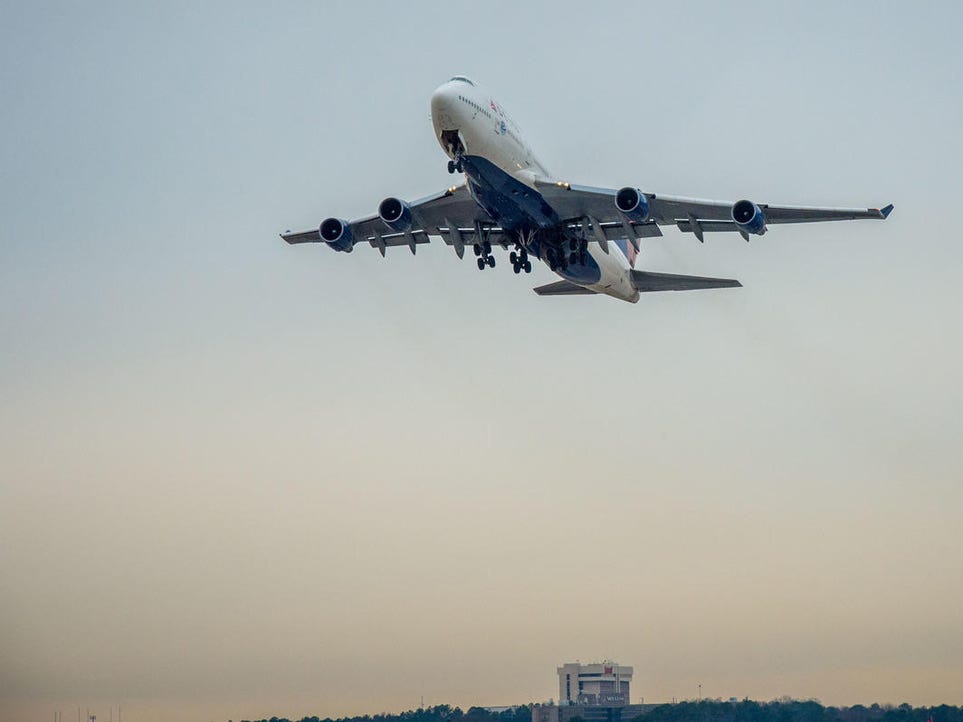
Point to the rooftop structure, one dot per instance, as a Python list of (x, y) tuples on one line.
[(601, 683)]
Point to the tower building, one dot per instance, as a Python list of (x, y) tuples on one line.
[(600, 683)]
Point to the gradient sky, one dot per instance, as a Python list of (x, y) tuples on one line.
[(241, 479)]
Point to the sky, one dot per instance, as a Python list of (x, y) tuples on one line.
[(240, 479)]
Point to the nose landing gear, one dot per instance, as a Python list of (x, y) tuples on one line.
[(452, 141)]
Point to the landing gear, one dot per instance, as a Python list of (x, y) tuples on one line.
[(484, 253), (451, 141), (556, 259), (559, 259), (520, 261), (577, 254)]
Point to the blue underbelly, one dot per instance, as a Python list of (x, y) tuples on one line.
[(516, 207), (511, 204)]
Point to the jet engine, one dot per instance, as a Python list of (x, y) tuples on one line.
[(749, 217), (396, 214), (337, 234), (632, 203)]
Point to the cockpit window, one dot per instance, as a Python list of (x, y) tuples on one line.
[(463, 79)]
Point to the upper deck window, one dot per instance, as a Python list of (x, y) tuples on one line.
[(463, 79)]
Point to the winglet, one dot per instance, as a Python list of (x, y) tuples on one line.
[(884, 212)]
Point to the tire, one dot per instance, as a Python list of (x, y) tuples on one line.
[(491, 261), (516, 268), (528, 266), (513, 257), (488, 247), (572, 257), (481, 264), (451, 166)]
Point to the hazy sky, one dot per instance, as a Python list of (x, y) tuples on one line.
[(242, 479)]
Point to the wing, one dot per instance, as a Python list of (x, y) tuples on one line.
[(691, 215), (451, 214)]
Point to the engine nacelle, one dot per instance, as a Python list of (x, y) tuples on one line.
[(396, 214), (632, 203), (337, 234), (749, 217)]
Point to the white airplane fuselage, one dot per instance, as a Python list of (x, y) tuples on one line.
[(501, 173)]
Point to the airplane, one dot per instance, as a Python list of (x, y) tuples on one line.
[(590, 237)]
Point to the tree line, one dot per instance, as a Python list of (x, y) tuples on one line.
[(781, 710), (790, 710)]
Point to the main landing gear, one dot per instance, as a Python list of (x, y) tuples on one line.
[(485, 258), (577, 253), (454, 166), (520, 261)]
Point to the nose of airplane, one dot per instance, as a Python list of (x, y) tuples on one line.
[(443, 108)]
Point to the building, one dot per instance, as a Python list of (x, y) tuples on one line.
[(597, 692), (600, 684)]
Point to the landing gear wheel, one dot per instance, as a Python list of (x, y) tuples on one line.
[(491, 261), (481, 264), (527, 266), (582, 257), (477, 250), (572, 257), (458, 167), (451, 166), (516, 268), (487, 247), (513, 257)]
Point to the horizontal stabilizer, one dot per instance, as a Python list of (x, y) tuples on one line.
[(312, 236), (646, 281), (563, 288)]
